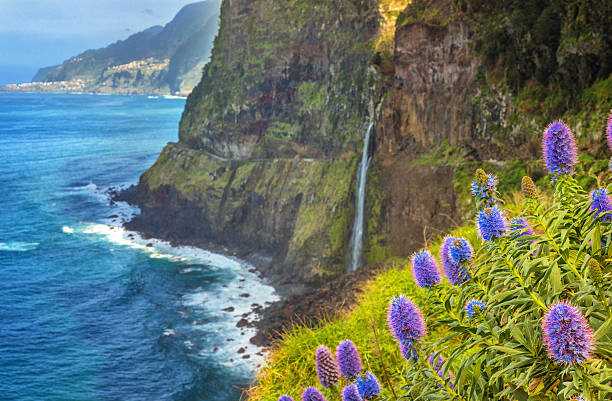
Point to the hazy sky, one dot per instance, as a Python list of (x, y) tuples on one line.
[(38, 33)]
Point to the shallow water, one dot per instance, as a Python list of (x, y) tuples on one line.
[(92, 312)]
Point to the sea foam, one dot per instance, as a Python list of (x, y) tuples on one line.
[(16, 246)]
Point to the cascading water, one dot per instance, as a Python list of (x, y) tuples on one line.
[(362, 177)]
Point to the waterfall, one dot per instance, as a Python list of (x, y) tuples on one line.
[(362, 177)]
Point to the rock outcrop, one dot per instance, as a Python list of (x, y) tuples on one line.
[(160, 59), (269, 140)]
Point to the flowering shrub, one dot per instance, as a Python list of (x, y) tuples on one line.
[(527, 314), (534, 319)]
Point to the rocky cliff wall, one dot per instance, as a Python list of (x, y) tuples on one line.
[(270, 138), (267, 155)]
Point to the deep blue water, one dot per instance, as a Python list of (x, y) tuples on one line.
[(90, 312)]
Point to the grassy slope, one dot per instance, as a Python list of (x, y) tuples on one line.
[(291, 365)]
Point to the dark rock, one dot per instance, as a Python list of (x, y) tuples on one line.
[(242, 323), (241, 350), (229, 309)]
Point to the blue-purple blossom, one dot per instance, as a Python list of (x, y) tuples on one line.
[(312, 394), (408, 351), (601, 204), (519, 227), (425, 269), (491, 223), (285, 398), (351, 393), (405, 320), (368, 386), (349, 361), (460, 250), (567, 334), (474, 307), (456, 273), (437, 363), (484, 187), (559, 148), (327, 369)]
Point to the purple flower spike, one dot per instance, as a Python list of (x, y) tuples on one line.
[(285, 398), (405, 320), (312, 394), (456, 273), (609, 131), (559, 147), (409, 352), (474, 307), (460, 250), (484, 187), (567, 334), (327, 369), (437, 363), (368, 386), (348, 359), (491, 223), (601, 203), (351, 393), (520, 227), (424, 269)]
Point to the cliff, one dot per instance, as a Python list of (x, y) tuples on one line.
[(160, 59), (271, 137), (267, 157)]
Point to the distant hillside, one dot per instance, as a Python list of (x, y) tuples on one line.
[(159, 59)]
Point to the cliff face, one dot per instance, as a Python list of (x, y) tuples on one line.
[(465, 85), (271, 137), (267, 157), (165, 59)]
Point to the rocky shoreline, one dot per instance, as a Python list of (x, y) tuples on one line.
[(299, 303)]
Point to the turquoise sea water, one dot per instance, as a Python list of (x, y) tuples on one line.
[(91, 312)]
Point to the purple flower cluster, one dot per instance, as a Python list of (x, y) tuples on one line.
[(484, 187), (460, 250), (559, 147), (519, 227), (285, 398), (312, 394), (327, 369), (456, 272), (349, 361), (406, 324), (368, 386), (425, 269), (474, 307), (491, 223), (351, 393), (567, 334), (405, 320), (601, 204)]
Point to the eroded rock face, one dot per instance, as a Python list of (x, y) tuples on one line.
[(267, 155), (434, 86), (285, 80)]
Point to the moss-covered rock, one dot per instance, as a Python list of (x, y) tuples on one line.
[(294, 210)]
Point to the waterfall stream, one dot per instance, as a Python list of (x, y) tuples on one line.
[(362, 177)]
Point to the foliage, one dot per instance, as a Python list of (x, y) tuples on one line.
[(533, 320)]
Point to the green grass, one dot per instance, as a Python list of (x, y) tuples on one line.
[(290, 367)]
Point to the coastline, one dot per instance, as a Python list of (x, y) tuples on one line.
[(299, 303), (39, 88)]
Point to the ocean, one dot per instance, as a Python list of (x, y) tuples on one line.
[(90, 311)]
